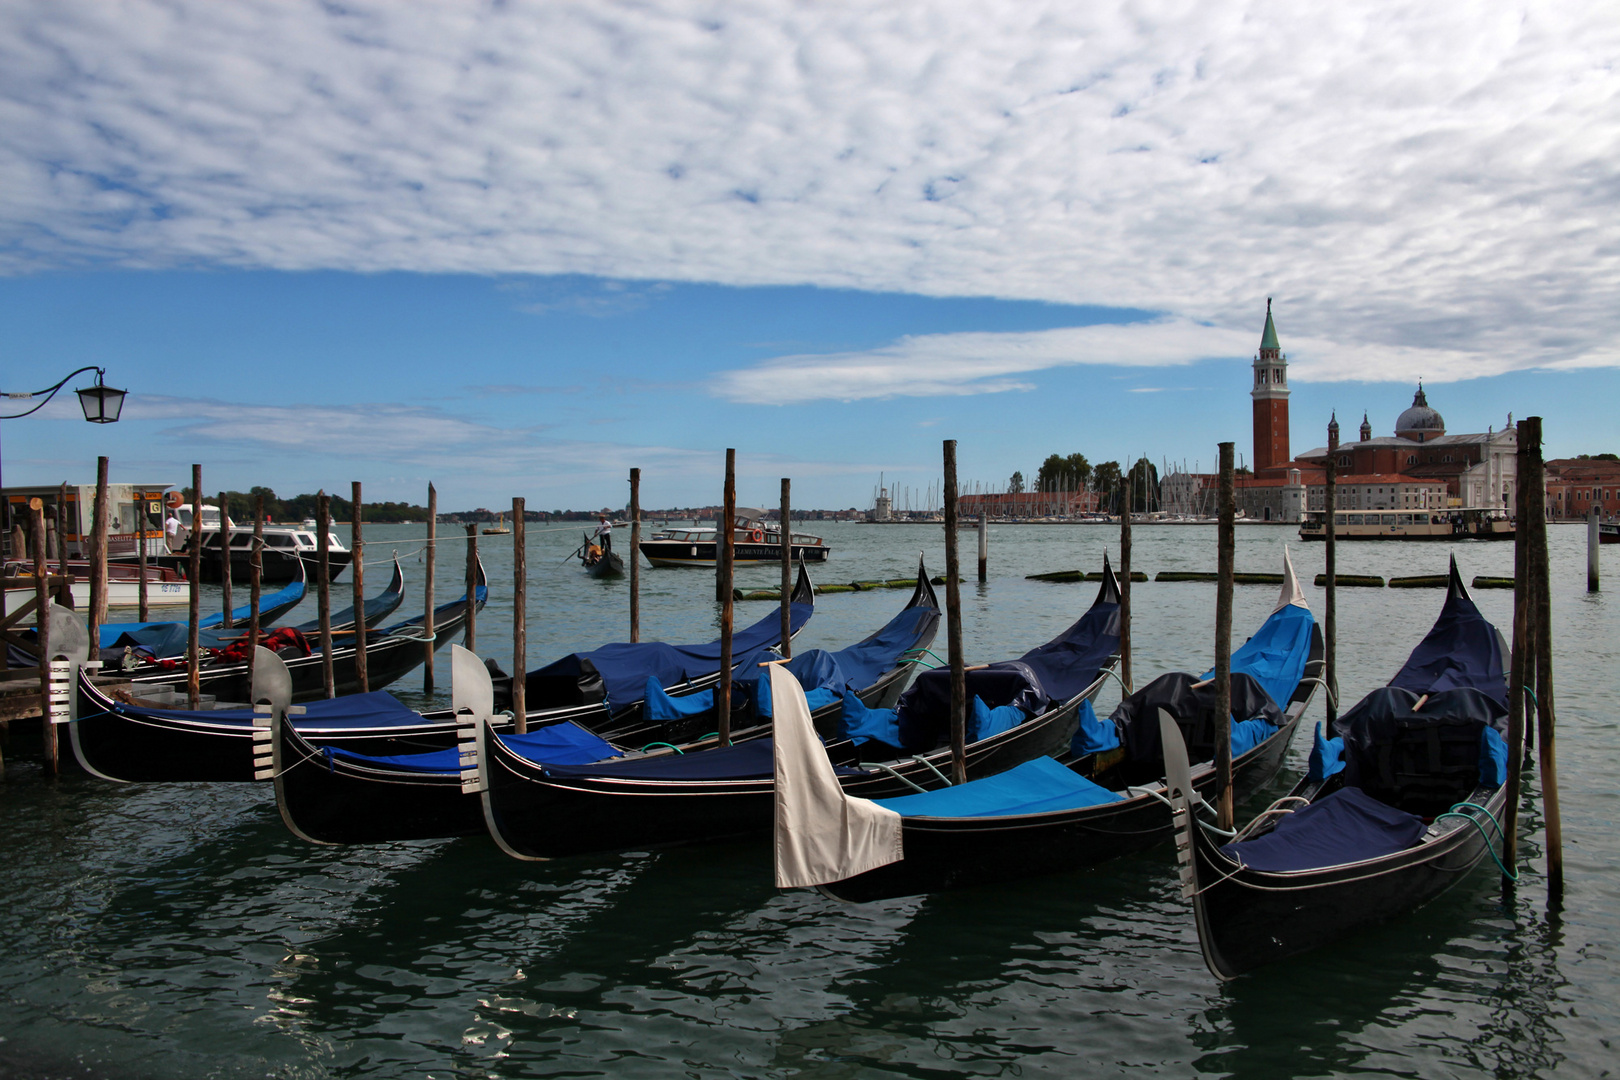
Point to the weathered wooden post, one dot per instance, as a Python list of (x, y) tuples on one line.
[(323, 587), (1125, 587), (255, 581), (145, 609), (1536, 505), (726, 552), (427, 586), (520, 626), (1225, 548), (61, 538), (469, 637), (359, 577), (225, 561), (1592, 551), (193, 645), (786, 599), (984, 543), (1330, 614), (635, 556), (1519, 666), (98, 556), (953, 624), (42, 615)]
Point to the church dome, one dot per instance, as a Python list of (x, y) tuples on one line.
[(1420, 422)]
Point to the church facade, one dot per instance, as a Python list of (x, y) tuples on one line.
[(1420, 466)]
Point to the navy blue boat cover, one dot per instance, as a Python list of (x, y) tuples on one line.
[(1344, 827), (751, 760), (1462, 649), (563, 743), (378, 709), (1178, 692), (1054, 672), (625, 666)]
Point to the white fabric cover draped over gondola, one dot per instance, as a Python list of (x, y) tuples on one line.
[(822, 834)]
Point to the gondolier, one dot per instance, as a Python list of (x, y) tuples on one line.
[(604, 534)]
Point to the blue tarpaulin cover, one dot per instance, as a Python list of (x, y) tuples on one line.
[(1275, 656), (1462, 649), (1327, 757), (983, 721), (861, 724), (1344, 827), (1248, 734), (824, 679), (1493, 758), (1446, 735), (162, 635), (1091, 735), (376, 709), (751, 760), (625, 666), (564, 743), (1036, 787), (1054, 672)]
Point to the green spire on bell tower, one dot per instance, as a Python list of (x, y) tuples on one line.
[(1268, 339)]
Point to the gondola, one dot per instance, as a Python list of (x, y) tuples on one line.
[(603, 689), (376, 609), (600, 562), (338, 796), (1397, 807), (124, 737), (168, 639), (1030, 705), (1098, 801)]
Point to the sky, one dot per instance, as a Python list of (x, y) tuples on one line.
[(519, 248)]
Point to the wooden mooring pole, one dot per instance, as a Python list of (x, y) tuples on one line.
[(427, 588), (255, 581), (469, 637), (786, 599), (1225, 551), (1592, 551), (1536, 505), (953, 624), (193, 645), (1330, 606), (98, 557), (227, 623), (725, 551), (323, 586), (635, 555), (1125, 587), (520, 624), (145, 609), (65, 593), (358, 566), (1519, 666), (984, 544), (42, 615)]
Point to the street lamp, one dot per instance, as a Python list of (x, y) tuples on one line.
[(101, 403)]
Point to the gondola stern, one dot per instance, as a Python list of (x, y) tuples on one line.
[(804, 591), (923, 595), (1108, 592)]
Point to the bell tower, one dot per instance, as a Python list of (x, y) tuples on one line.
[(1270, 395)]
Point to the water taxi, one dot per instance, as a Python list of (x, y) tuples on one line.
[(1469, 523)]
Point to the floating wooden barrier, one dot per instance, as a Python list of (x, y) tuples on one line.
[(1076, 575), (1421, 581), (1493, 583), (1237, 579), (853, 586), (1364, 581)]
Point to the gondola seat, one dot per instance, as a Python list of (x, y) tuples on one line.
[(1347, 826), (1423, 755), (1037, 786)]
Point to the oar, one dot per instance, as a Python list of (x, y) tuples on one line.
[(571, 554)]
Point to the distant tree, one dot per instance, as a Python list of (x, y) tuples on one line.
[(1058, 473), (1597, 457), (1243, 470), (1144, 485), (1105, 477), (1015, 485)]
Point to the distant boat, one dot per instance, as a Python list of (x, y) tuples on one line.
[(500, 528), (753, 542), (1609, 532)]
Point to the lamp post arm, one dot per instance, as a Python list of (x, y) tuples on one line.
[(49, 392)]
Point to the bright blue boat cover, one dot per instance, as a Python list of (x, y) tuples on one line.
[(1344, 827), (659, 706), (1327, 757), (171, 636), (1462, 649), (861, 724), (1275, 656), (379, 709), (751, 760), (983, 721), (1091, 735), (563, 743), (824, 679), (1054, 672), (625, 666), (1038, 786)]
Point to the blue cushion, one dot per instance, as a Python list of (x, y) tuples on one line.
[(658, 705), (1091, 735), (1327, 757)]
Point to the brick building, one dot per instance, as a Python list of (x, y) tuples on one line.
[(1576, 485), (1030, 504)]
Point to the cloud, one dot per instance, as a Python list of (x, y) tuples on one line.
[(1435, 177)]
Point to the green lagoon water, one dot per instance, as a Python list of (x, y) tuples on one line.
[(156, 931)]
